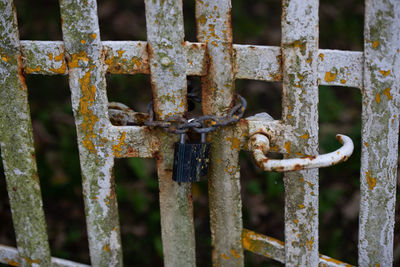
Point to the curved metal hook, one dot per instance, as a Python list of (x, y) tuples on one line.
[(259, 145)]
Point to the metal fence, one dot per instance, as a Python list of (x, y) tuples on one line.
[(298, 63)]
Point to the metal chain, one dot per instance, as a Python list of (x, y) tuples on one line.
[(202, 124)]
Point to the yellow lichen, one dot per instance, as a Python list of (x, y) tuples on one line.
[(304, 136), (287, 147), (74, 63), (224, 256), (321, 56), (385, 72), (117, 149), (29, 70), (370, 180), (120, 53), (375, 44), (386, 92), (330, 77), (235, 254), (310, 243), (378, 98), (89, 119), (63, 68)]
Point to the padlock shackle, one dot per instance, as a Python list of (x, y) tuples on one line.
[(183, 138)]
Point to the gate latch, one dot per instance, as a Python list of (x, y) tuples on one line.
[(259, 145)]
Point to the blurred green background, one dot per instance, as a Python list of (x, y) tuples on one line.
[(254, 22)]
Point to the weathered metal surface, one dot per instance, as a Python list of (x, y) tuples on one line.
[(273, 248), (259, 146), (121, 57), (342, 68), (263, 245), (10, 256), (83, 52), (300, 110), (133, 141), (167, 59), (380, 132), (214, 28), (335, 67), (17, 150), (43, 57), (258, 62)]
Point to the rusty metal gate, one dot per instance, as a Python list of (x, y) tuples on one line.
[(169, 59)]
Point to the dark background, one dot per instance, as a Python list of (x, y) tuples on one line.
[(254, 22)]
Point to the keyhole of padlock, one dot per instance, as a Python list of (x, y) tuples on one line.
[(190, 160)]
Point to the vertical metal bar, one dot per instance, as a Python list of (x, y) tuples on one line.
[(300, 110), (17, 147), (214, 28), (380, 132), (165, 35), (89, 100)]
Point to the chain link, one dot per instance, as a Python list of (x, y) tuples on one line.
[(122, 115), (202, 124)]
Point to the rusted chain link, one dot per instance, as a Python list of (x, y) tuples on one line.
[(202, 124), (121, 115)]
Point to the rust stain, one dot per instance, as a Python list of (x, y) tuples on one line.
[(330, 77), (21, 74), (385, 72), (378, 98), (370, 180), (11, 262), (28, 260), (386, 92)]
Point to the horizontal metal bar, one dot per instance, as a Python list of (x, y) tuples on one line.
[(133, 141), (121, 57), (275, 249), (342, 68), (10, 256)]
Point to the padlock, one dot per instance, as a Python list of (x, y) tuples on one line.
[(190, 160)]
